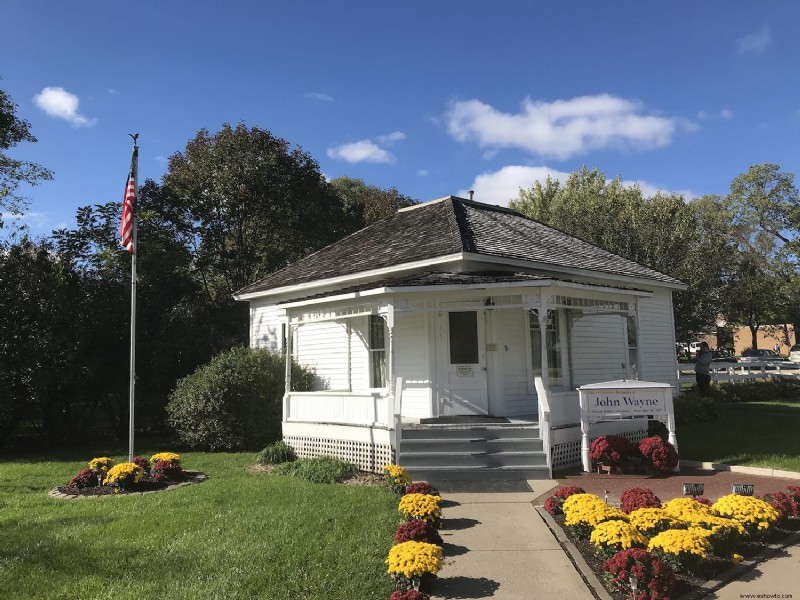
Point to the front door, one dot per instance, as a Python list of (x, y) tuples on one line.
[(465, 391)]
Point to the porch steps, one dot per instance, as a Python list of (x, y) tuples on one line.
[(469, 452)]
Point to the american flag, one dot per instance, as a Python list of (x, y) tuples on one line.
[(126, 224)]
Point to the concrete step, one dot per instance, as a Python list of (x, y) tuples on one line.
[(411, 460), (433, 474), (469, 432), (471, 444)]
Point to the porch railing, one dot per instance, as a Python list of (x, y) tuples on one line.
[(544, 421), (341, 408)]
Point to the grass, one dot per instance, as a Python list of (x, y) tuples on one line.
[(237, 535), (756, 434)]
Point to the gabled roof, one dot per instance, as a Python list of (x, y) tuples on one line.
[(450, 226)]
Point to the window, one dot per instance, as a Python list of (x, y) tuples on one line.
[(633, 368), (377, 351), (555, 376), (463, 337)]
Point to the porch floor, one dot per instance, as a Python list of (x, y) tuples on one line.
[(471, 420)]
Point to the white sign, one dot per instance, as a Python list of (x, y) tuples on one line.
[(464, 371), (626, 403)]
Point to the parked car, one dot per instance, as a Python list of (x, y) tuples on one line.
[(722, 356), (694, 348), (794, 353), (752, 354)]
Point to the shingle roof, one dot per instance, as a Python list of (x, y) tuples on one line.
[(448, 226)]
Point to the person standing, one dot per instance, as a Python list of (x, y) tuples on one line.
[(702, 369)]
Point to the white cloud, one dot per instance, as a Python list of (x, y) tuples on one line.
[(318, 96), (560, 129), (726, 114), (500, 186), (367, 150), (112, 91), (361, 151), (422, 172), (701, 115), (391, 138), (755, 42), (60, 104)]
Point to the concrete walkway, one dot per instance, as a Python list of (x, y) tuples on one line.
[(497, 546)]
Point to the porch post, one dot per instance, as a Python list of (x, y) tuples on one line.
[(288, 372), (543, 341), (390, 363)]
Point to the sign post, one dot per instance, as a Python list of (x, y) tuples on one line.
[(614, 400)]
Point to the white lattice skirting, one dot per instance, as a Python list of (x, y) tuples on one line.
[(367, 456)]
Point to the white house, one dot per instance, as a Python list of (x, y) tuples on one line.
[(452, 336)]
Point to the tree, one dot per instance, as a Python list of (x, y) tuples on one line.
[(367, 204), (15, 172), (246, 205)]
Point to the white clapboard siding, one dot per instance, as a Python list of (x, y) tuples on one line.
[(599, 349), (412, 363), (657, 339), (512, 329), (265, 326), (323, 347)]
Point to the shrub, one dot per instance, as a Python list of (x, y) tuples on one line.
[(582, 512), (124, 475), (554, 502), (276, 453), (651, 521), (408, 595), (409, 562), (693, 407), (417, 531), (655, 579), (142, 462), (784, 504), (634, 498), (609, 537), (756, 515), (421, 487), (169, 457), (322, 469), (103, 463), (662, 455), (682, 549), (164, 470), (794, 492), (235, 401), (396, 477), (422, 507), (610, 449), (85, 478)]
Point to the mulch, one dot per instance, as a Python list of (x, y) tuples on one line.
[(146, 484)]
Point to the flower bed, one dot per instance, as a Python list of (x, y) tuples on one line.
[(104, 477), (673, 549)]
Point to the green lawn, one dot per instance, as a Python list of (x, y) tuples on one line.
[(237, 535), (756, 434)]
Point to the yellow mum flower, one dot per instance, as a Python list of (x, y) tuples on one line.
[(414, 559), (588, 509), (124, 474), (397, 473), (103, 463), (170, 457), (682, 541), (755, 514), (423, 507), (651, 521), (617, 535)]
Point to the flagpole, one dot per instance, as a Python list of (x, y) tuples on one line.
[(134, 175)]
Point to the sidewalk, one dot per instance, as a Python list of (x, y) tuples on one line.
[(496, 546)]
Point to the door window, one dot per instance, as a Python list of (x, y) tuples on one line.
[(555, 375), (463, 338)]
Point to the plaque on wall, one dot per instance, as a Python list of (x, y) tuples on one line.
[(464, 370)]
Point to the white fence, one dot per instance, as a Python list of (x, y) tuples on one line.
[(742, 371)]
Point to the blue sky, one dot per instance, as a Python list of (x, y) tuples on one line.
[(434, 98)]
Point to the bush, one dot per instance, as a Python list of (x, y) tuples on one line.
[(397, 478), (610, 449), (322, 469), (554, 502), (655, 580), (693, 407), (417, 531), (234, 402), (422, 507), (124, 475), (610, 537), (408, 595), (421, 487), (164, 470), (276, 453), (785, 505), (662, 455), (634, 498), (142, 463), (85, 478)]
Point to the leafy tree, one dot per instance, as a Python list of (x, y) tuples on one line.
[(13, 172), (367, 204), (246, 205)]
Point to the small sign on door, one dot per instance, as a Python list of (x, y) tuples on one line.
[(464, 370)]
